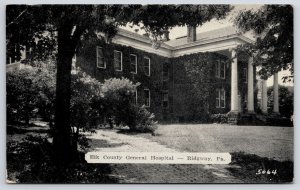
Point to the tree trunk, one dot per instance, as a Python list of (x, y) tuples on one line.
[(62, 142)]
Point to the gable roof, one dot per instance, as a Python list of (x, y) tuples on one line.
[(203, 36)]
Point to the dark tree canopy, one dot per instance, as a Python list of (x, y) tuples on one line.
[(274, 47), (59, 29)]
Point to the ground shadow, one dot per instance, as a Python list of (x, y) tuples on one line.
[(30, 162), (133, 133), (100, 143), (11, 129)]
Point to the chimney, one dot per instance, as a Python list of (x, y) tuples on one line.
[(191, 33), (166, 35)]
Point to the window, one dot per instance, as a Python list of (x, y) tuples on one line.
[(133, 63), (220, 69), (147, 97), (220, 98), (134, 98), (118, 60), (100, 58), (245, 75), (165, 72), (147, 66), (165, 99)]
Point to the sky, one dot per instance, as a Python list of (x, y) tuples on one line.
[(215, 24)]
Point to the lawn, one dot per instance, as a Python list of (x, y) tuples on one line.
[(264, 141), (256, 151)]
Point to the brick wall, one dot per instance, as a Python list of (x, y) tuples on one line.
[(86, 59), (191, 83)]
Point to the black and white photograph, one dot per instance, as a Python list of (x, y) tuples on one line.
[(149, 93)]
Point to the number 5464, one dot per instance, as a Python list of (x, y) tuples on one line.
[(266, 172)]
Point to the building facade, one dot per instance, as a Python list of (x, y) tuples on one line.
[(186, 79)]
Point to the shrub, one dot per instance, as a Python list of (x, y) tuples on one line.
[(84, 91), (143, 120), (30, 90), (117, 101), (120, 109), (219, 118)]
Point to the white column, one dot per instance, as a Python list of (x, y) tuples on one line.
[(234, 82), (264, 97), (250, 101), (275, 94)]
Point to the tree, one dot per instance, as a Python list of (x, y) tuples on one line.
[(68, 24), (273, 50)]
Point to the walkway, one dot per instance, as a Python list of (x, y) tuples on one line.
[(110, 140)]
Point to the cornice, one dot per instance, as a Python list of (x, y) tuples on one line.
[(137, 41)]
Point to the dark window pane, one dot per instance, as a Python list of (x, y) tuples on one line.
[(100, 58), (165, 99), (147, 66), (118, 60), (147, 97), (217, 98), (133, 63), (222, 69)]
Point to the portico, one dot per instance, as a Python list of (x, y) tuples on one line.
[(235, 109)]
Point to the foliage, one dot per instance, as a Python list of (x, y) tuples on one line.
[(286, 100), (84, 90), (195, 84), (33, 88), (40, 32), (31, 161), (219, 118), (141, 120), (30, 91), (274, 27), (117, 106)]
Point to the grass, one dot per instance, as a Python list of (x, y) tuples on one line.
[(252, 148), (264, 141)]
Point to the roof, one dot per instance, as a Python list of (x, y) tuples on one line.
[(215, 40), (202, 36)]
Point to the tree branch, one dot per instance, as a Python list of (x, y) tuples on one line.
[(12, 22)]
